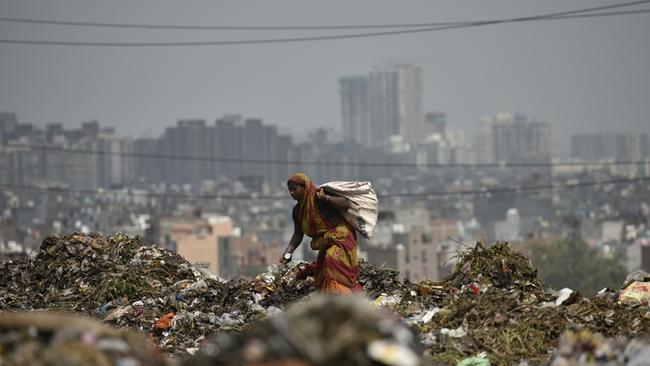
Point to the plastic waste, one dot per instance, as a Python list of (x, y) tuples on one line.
[(474, 361), (635, 293)]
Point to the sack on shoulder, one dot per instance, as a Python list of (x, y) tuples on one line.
[(364, 205)]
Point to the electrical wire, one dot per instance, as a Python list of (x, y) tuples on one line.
[(525, 188), (323, 163), (267, 28), (381, 196), (553, 16)]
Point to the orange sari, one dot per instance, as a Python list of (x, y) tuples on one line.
[(337, 266)]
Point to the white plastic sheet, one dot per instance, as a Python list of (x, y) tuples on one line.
[(364, 205)]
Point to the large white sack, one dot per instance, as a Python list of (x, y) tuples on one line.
[(364, 206)]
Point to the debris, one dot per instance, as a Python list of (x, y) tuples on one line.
[(584, 348), (638, 275), (426, 317), (324, 330), (164, 323), (474, 361), (390, 353), (635, 293), (492, 305), (40, 339), (566, 296)]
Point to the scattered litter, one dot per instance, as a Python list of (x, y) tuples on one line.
[(41, 339), (635, 293), (563, 295), (492, 305)]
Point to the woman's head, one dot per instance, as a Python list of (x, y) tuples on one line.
[(299, 184), (297, 191)]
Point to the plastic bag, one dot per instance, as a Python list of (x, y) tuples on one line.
[(364, 205), (636, 292)]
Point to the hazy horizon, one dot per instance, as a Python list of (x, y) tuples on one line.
[(580, 75)]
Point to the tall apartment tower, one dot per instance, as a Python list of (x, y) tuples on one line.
[(395, 102), (435, 123), (485, 142), (620, 146), (512, 138), (386, 103), (354, 109)]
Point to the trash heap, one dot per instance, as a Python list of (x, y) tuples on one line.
[(320, 331), (495, 308), (124, 283), (585, 348), (492, 308), (49, 339)]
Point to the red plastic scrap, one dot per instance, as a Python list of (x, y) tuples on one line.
[(165, 322)]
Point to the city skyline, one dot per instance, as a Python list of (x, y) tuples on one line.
[(580, 75)]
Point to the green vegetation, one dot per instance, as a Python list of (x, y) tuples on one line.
[(573, 264)]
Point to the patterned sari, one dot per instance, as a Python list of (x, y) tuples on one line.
[(337, 266)]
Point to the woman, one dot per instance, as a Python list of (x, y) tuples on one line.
[(316, 214)]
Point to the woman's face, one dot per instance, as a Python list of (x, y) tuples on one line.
[(296, 191)]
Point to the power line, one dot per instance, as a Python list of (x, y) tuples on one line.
[(266, 28), (221, 27), (525, 188), (322, 38), (322, 163), (261, 197), (98, 192)]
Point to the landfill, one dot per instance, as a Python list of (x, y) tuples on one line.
[(492, 310), (40, 339)]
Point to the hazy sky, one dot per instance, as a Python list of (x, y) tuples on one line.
[(581, 75)]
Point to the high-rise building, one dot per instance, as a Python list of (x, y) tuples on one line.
[(385, 104), (187, 138), (115, 168), (435, 123), (621, 146), (354, 109), (8, 123), (233, 147), (512, 138), (395, 103)]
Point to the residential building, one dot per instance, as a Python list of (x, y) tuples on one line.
[(435, 123), (618, 147), (195, 238), (354, 109), (395, 103), (409, 240)]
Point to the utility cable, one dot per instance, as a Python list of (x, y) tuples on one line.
[(525, 188), (267, 28), (321, 163), (553, 16), (381, 196)]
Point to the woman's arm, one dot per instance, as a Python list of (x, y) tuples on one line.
[(295, 241), (339, 203)]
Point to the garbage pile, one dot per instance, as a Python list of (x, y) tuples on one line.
[(48, 339), (586, 348), (318, 332), (144, 288), (495, 308), (491, 309)]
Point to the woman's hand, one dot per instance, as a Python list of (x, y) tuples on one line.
[(295, 241), (339, 203), (305, 270), (286, 257)]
